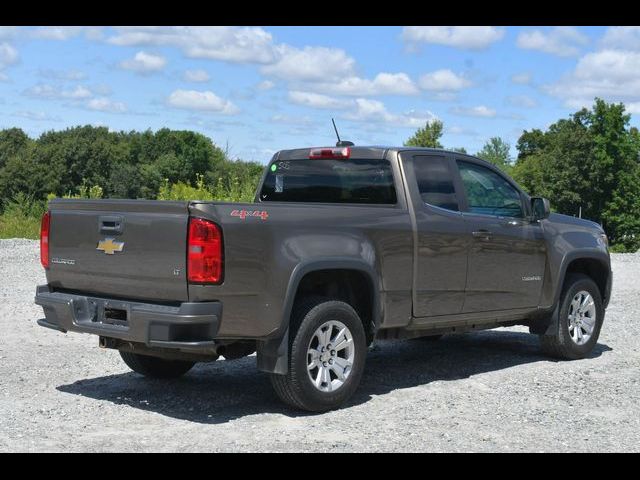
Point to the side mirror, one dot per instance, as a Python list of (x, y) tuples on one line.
[(540, 207)]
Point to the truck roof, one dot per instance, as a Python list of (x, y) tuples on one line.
[(358, 151)]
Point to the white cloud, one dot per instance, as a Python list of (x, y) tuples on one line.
[(231, 44), (633, 107), (523, 78), (472, 38), (442, 81), (561, 41), (616, 64), (266, 85), (309, 68), (103, 104), (197, 76), (144, 62), (310, 64), (613, 75), (478, 111), (626, 38), (205, 101), (77, 93), (382, 84), (8, 55), (374, 111), (522, 101), (315, 100), (51, 92)]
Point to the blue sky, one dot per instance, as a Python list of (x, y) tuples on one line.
[(261, 89)]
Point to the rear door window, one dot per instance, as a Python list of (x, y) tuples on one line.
[(435, 182), (330, 181)]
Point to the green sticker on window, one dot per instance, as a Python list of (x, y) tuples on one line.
[(274, 167)]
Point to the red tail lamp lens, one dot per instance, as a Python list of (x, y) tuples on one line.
[(204, 252), (45, 228)]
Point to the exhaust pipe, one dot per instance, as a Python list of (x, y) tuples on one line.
[(107, 342)]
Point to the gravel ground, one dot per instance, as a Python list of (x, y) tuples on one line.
[(486, 391)]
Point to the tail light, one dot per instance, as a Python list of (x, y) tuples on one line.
[(45, 228), (329, 153), (204, 252)]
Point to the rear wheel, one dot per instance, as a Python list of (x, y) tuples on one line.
[(155, 367), (327, 352), (581, 314)]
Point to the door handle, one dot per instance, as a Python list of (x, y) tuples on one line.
[(482, 234)]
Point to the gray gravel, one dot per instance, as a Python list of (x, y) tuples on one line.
[(487, 391)]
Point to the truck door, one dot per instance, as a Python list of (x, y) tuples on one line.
[(441, 243), (507, 253)]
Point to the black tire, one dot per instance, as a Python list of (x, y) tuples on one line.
[(296, 388), (560, 344), (155, 367)]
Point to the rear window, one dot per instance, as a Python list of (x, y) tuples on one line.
[(330, 181)]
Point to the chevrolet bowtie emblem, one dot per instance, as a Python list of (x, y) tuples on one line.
[(110, 246)]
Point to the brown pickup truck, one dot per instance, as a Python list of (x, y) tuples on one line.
[(342, 245)]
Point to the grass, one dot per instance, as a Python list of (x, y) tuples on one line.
[(19, 226), (21, 218)]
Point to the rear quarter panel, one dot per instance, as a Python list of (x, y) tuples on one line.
[(262, 253)]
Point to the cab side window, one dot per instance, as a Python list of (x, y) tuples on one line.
[(489, 193), (435, 182)]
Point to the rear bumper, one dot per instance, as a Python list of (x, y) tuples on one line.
[(188, 327)]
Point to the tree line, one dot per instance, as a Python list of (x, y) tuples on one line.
[(585, 164), (123, 164)]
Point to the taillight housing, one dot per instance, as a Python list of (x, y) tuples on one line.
[(205, 262), (45, 229), (329, 153)]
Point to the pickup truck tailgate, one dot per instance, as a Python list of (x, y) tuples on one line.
[(119, 248)]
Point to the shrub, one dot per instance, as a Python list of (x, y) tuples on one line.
[(21, 217)]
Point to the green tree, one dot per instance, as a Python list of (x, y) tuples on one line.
[(496, 151), (588, 163), (427, 136), (13, 142)]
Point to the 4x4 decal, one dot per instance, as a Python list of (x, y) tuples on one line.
[(250, 213)]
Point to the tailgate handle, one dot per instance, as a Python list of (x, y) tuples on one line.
[(110, 224)]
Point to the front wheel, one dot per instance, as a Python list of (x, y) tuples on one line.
[(327, 353), (581, 314), (155, 367)]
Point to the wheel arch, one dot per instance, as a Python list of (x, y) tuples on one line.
[(272, 353), (596, 265)]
